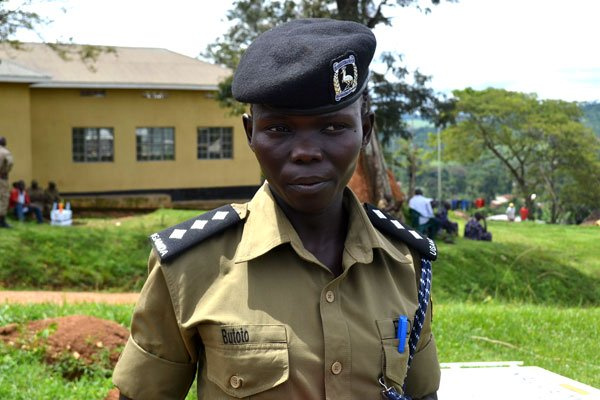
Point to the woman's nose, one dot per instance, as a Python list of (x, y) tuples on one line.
[(306, 149)]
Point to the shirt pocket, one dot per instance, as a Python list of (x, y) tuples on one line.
[(244, 360), (395, 363)]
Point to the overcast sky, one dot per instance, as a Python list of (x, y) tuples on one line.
[(548, 47)]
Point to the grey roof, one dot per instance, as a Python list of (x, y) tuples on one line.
[(11, 71), (126, 67)]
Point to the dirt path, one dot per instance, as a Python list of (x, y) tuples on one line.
[(24, 297)]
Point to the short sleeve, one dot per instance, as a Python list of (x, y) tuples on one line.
[(159, 359)]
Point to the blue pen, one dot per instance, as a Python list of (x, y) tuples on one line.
[(401, 334)]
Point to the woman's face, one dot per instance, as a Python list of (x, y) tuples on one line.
[(308, 159)]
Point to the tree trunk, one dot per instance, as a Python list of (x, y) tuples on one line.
[(372, 180), (348, 10), (377, 168)]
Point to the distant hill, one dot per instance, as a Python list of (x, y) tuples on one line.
[(591, 112)]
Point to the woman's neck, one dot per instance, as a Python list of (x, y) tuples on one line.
[(323, 234)]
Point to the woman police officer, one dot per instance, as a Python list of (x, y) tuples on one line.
[(301, 293)]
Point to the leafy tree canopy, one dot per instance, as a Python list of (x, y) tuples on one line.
[(542, 143), (591, 112)]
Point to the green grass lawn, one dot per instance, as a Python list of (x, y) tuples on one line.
[(563, 341), (525, 263), (95, 254), (532, 295)]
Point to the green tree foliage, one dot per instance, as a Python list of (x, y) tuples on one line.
[(542, 143), (393, 98), (414, 161), (591, 112), (13, 19)]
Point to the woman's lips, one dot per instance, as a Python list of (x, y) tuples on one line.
[(308, 186)]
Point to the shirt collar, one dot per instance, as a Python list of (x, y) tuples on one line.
[(267, 227)]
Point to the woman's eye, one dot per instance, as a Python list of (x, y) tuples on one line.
[(278, 128), (334, 128)]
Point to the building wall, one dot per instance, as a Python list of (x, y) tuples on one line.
[(15, 126), (55, 112)]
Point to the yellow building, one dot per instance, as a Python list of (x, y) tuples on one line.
[(135, 121)]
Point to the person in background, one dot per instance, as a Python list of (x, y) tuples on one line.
[(442, 215), (51, 196), (510, 212), (479, 202), (6, 163), (303, 292), (524, 213), (37, 196), (474, 229), (20, 201), (420, 206)]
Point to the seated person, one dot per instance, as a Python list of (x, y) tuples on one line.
[(445, 223), (475, 231), (36, 195), (51, 196), (421, 206), (20, 202)]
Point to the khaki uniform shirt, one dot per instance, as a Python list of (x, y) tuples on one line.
[(258, 316), (37, 197), (6, 163)]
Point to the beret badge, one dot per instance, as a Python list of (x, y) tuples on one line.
[(345, 77)]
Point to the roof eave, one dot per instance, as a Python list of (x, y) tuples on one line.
[(118, 85), (22, 79)]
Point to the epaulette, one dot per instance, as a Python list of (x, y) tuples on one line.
[(391, 226), (173, 241)]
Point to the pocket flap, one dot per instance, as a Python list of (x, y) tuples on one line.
[(244, 360)]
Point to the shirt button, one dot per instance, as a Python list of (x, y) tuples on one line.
[(235, 381), (330, 296), (336, 368)]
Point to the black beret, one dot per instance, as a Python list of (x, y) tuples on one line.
[(306, 66)]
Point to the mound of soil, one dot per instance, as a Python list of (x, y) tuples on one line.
[(87, 339), (82, 336)]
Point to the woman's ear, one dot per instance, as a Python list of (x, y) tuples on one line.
[(247, 122), (368, 121)]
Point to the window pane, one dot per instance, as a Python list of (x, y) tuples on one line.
[(155, 143), (78, 145), (106, 144), (215, 142), (93, 144)]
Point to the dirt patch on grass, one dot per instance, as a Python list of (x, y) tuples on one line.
[(84, 338), (72, 345)]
